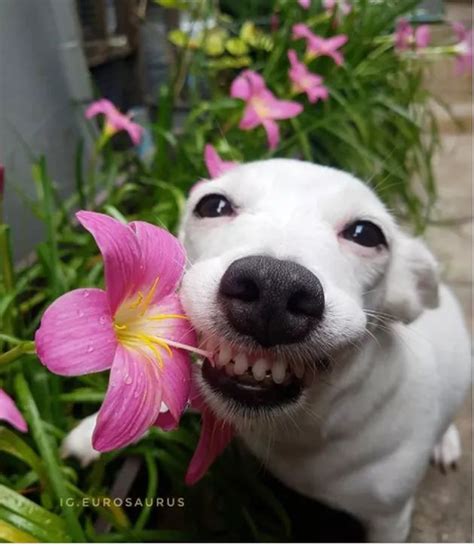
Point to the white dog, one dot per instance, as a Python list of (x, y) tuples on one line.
[(338, 358)]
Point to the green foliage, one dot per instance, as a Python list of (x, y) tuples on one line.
[(376, 124)]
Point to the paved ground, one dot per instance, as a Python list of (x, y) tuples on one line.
[(444, 505)]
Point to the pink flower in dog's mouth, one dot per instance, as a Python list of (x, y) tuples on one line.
[(135, 328)]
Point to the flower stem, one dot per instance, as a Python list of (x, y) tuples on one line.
[(26, 347), (8, 276)]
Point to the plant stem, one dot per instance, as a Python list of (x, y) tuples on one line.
[(8, 276), (48, 452), (27, 347)]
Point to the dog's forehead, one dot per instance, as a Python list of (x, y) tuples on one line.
[(297, 184)]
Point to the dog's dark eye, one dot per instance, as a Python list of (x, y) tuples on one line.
[(364, 233), (213, 205)]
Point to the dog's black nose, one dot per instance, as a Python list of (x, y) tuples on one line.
[(274, 301)]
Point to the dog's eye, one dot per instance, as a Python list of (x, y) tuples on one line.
[(364, 233), (213, 205)]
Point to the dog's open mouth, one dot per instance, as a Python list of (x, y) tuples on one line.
[(253, 380)]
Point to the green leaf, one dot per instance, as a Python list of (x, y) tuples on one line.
[(48, 451), (17, 510), (11, 443)]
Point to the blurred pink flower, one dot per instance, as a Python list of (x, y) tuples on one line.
[(305, 81), (320, 46), (215, 437), (10, 413), (464, 48), (262, 107), (135, 328), (115, 121), (332, 5), (215, 165), (305, 4), (406, 36)]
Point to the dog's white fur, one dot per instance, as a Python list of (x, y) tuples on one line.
[(362, 434)]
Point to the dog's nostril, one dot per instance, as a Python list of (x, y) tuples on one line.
[(240, 288), (302, 302)]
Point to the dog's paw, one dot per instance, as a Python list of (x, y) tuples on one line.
[(447, 452), (78, 443)]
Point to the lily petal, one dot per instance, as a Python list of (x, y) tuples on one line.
[(273, 133), (10, 413), (215, 437), (119, 248), (132, 402), (176, 367), (283, 109), (163, 260), (250, 119), (422, 36), (101, 106), (215, 165), (76, 335), (166, 421)]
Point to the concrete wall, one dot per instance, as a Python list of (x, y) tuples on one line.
[(43, 84)]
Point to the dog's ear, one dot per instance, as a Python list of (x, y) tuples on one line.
[(412, 280)]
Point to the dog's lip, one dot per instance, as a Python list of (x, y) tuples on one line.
[(247, 391)]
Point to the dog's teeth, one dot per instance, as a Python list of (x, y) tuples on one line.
[(224, 354), (229, 369), (279, 371), (259, 369), (298, 370), (241, 364)]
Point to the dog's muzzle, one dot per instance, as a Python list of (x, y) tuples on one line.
[(272, 303)]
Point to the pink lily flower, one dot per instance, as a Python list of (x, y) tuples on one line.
[(262, 107), (406, 36), (10, 413), (305, 4), (318, 46), (332, 5), (214, 163), (115, 121), (464, 49), (305, 81), (135, 328), (215, 437)]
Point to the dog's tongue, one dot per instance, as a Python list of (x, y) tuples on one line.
[(215, 436)]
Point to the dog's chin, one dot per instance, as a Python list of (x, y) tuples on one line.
[(239, 384)]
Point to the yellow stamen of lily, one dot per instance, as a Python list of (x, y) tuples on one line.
[(132, 327)]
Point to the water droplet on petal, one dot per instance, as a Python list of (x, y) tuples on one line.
[(127, 380), (102, 320), (86, 293), (90, 348), (80, 313)]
